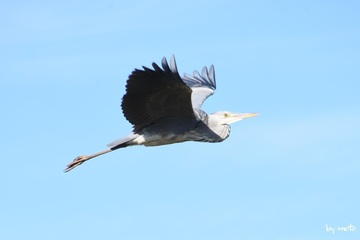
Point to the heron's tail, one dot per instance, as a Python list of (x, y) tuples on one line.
[(123, 142)]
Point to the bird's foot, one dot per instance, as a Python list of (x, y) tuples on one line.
[(77, 162)]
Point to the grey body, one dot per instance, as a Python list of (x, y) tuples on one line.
[(175, 130), (165, 108)]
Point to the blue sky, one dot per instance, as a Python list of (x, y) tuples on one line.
[(285, 174)]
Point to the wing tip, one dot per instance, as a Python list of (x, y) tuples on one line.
[(207, 78), (172, 66)]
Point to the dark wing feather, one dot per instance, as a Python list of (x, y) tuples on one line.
[(156, 94)]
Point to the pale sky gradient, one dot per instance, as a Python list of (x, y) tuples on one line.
[(282, 175)]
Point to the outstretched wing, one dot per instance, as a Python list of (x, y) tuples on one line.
[(203, 85), (155, 94)]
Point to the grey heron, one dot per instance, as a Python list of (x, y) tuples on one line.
[(165, 108)]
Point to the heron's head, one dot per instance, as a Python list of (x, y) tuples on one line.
[(224, 117)]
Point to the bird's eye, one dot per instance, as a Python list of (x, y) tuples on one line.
[(226, 115)]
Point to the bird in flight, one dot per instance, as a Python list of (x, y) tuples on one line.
[(165, 108)]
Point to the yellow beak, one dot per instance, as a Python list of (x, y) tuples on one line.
[(249, 115)]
